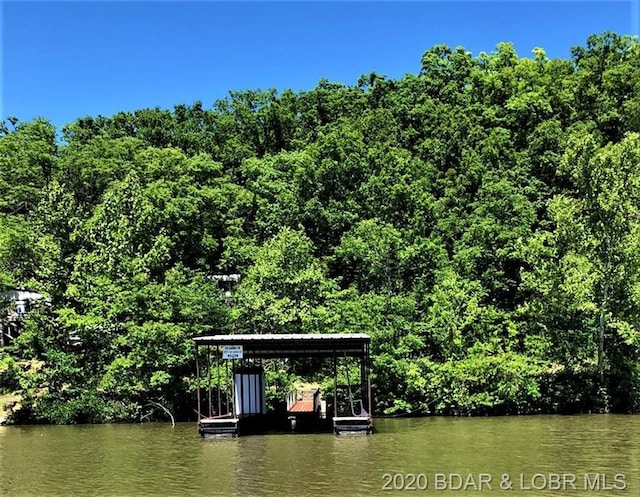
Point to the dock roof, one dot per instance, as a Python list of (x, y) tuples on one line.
[(293, 345)]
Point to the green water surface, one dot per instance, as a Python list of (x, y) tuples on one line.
[(535, 455)]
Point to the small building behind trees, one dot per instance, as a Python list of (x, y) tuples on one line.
[(15, 304)]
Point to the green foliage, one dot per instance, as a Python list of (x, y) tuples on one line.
[(285, 289), (479, 220), (9, 373), (28, 158), (480, 384)]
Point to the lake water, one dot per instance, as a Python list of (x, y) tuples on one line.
[(593, 455)]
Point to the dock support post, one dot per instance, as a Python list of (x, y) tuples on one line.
[(198, 383), (234, 407), (230, 384), (218, 373), (363, 380), (368, 367), (209, 379), (335, 385), (240, 395)]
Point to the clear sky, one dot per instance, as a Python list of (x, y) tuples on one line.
[(64, 60)]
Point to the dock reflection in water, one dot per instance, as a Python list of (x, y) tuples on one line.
[(157, 460)]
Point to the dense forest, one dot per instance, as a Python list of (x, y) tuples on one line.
[(480, 220)]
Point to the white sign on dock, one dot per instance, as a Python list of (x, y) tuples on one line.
[(232, 351)]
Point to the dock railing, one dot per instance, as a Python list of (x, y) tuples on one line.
[(292, 397)]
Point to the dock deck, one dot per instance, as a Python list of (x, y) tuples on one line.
[(302, 406), (347, 425), (218, 427)]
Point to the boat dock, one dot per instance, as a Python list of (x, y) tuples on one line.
[(231, 393)]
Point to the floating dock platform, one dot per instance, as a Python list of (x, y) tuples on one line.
[(218, 427), (352, 425)]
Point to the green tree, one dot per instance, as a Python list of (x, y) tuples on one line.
[(283, 291), (608, 217), (28, 158)]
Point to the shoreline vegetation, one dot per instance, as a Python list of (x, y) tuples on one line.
[(480, 220)]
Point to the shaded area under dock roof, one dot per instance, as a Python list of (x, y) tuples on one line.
[(271, 346)]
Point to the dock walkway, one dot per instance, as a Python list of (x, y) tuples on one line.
[(305, 401), (302, 406)]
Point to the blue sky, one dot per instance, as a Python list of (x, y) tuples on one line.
[(64, 60)]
